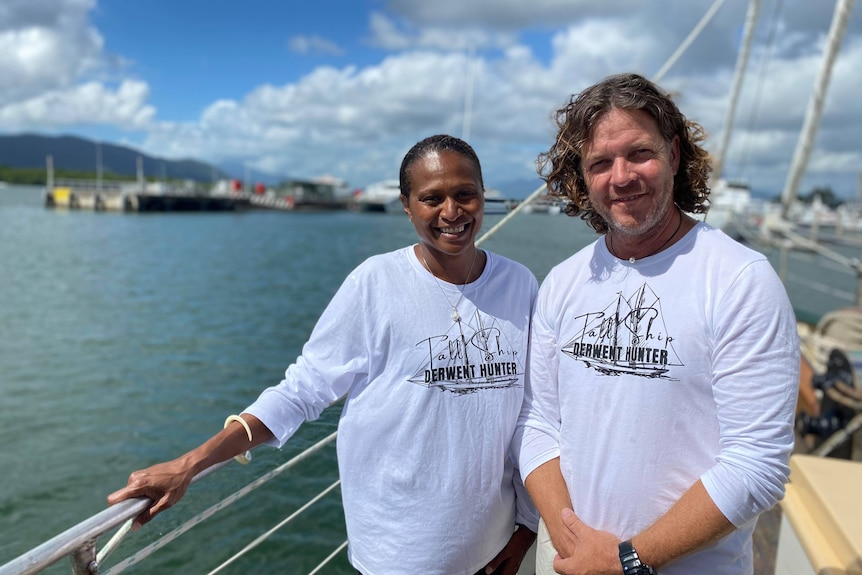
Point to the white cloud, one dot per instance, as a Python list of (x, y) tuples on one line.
[(52, 62), (356, 121), (363, 119), (314, 45), (506, 14), (395, 35), (44, 46), (90, 103)]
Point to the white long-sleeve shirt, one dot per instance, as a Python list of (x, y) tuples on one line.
[(428, 481), (647, 376)]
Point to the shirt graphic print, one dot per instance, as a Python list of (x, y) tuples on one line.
[(473, 355), (628, 336)]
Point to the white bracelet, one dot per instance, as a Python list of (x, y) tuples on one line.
[(243, 458)]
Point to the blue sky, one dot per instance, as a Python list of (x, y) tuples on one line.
[(344, 88)]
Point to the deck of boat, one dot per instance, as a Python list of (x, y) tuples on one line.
[(765, 540)]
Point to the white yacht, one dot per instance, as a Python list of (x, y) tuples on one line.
[(496, 203), (728, 200), (383, 196)]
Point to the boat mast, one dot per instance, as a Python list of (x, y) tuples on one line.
[(815, 105), (751, 18)]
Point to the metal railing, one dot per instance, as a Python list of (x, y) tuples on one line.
[(79, 542)]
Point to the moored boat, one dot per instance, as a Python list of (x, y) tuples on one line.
[(382, 196)]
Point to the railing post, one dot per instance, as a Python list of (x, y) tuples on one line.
[(84, 559)]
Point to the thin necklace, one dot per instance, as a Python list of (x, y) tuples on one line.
[(660, 248), (455, 315)]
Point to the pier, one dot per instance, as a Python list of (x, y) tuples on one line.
[(106, 196)]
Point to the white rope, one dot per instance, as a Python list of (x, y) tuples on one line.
[(114, 541), (687, 42), (170, 536), (511, 214), (261, 538), (739, 71), (328, 559), (811, 124)]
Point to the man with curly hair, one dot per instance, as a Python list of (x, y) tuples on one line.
[(663, 364)]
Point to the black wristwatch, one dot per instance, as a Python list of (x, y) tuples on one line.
[(632, 564)]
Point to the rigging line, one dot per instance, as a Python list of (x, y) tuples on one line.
[(687, 42), (263, 537), (821, 287), (511, 214), (170, 536), (814, 111), (468, 94), (758, 91), (751, 17), (126, 528), (328, 559)]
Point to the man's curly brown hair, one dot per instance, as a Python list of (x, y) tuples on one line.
[(561, 167)]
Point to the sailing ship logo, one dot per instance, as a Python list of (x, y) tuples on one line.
[(628, 337), (471, 356)]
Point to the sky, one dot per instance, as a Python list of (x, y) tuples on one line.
[(343, 88)]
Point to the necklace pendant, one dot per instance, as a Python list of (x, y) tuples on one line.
[(455, 315), (632, 260)]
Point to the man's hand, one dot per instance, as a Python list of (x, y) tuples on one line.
[(595, 552)]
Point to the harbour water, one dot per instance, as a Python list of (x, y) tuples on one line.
[(125, 339)]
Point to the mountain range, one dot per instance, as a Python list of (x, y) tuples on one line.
[(82, 155)]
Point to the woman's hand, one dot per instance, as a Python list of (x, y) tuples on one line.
[(164, 484), (508, 561)]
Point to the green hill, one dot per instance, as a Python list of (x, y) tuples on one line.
[(70, 153)]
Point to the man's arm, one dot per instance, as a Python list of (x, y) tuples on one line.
[(692, 523), (550, 494)]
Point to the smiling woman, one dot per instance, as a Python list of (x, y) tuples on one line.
[(444, 199), (432, 390)]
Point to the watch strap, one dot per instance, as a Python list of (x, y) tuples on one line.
[(630, 561)]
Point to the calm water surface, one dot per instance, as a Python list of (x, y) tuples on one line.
[(125, 339)]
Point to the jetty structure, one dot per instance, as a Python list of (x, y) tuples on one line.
[(139, 196), (319, 194)]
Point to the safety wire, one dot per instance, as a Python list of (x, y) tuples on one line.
[(170, 536)]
